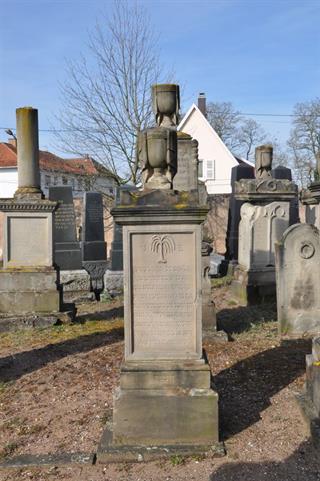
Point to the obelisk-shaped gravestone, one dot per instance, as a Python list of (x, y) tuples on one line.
[(67, 253), (165, 402)]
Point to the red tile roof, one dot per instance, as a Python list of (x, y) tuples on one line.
[(51, 162)]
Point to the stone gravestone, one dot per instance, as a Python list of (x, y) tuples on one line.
[(165, 402), (281, 172), (309, 399), (94, 247), (67, 253), (298, 281), (241, 171), (29, 293), (265, 216), (187, 174)]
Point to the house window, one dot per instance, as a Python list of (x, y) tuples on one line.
[(55, 180), (47, 180), (64, 181), (211, 169)]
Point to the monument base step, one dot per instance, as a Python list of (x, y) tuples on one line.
[(310, 417), (165, 416), (214, 335), (252, 294), (11, 323), (108, 452)]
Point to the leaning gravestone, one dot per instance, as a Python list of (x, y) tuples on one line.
[(67, 253), (298, 281), (94, 248)]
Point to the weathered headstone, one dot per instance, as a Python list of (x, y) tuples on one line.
[(309, 399), (187, 174), (67, 252), (94, 247), (265, 216), (241, 171), (281, 172), (298, 281), (165, 396), (29, 293)]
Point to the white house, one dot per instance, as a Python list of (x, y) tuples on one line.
[(216, 160)]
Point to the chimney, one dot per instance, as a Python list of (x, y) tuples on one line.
[(12, 142), (202, 103)]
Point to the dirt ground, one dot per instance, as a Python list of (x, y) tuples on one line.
[(56, 389)]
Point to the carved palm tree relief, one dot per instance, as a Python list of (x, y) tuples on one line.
[(162, 245)]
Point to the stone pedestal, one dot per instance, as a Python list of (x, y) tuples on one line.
[(264, 217), (311, 199), (165, 396), (298, 281), (29, 292), (309, 399)]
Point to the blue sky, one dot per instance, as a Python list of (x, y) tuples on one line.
[(261, 55)]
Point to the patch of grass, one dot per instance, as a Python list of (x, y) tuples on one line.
[(35, 337), (8, 449), (198, 457), (221, 281), (177, 460), (3, 387)]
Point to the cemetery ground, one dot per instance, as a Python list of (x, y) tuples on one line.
[(56, 397)]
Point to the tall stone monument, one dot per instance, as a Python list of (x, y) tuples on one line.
[(67, 252), (298, 281), (94, 248), (29, 292), (165, 402), (265, 215)]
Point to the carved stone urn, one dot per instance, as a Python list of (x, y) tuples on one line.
[(166, 104), (157, 150)]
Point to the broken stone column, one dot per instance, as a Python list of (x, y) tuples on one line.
[(29, 293), (28, 154), (265, 215)]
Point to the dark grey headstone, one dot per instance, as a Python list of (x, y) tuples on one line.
[(67, 253), (241, 171), (282, 172), (116, 253), (93, 244)]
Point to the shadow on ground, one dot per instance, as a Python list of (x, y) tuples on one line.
[(240, 319), (107, 315), (302, 465), (13, 367), (245, 388)]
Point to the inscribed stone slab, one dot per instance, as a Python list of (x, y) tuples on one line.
[(163, 281)]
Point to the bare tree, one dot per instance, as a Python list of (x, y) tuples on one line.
[(225, 120), (249, 134), (107, 97), (240, 134), (304, 141)]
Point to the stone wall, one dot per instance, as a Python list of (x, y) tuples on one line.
[(216, 223)]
